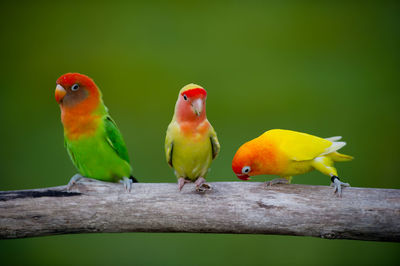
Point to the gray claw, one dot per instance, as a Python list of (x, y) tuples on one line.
[(127, 184), (338, 185), (73, 181)]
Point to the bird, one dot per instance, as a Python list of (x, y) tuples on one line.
[(91, 137), (287, 153), (191, 142)]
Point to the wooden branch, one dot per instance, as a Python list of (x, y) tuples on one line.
[(231, 207)]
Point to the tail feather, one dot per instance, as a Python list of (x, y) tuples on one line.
[(333, 139), (339, 157), (334, 147), (332, 150)]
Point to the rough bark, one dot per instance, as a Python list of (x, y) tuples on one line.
[(231, 207)]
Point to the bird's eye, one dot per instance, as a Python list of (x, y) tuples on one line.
[(246, 170), (75, 87), (185, 97)]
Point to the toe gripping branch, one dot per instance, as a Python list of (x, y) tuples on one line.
[(338, 185)]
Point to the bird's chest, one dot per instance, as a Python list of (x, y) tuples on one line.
[(89, 149), (193, 142), (192, 156), (77, 126)]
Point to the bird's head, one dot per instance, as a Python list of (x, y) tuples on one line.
[(244, 163), (191, 104), (74, 90)]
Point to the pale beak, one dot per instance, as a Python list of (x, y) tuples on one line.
[(60, 93), (197, 106)]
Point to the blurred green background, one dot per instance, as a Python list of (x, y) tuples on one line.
[(326, 68)]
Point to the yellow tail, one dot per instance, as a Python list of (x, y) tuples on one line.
[(339, 157)]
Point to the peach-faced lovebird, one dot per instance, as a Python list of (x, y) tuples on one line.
[(286, 153), (191, 142), (92, 139)]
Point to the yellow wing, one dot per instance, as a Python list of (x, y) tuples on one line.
[(301, 146), (214, 142)]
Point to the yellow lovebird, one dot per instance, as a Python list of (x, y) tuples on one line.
[(191, 142), (287, 153)]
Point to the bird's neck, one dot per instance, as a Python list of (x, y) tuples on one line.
[(194, 128), (80, 122)]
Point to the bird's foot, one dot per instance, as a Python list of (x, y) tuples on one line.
[(276, 181), (201, 186), (73, 181), (338, 185), (181, 182), (127, 184)]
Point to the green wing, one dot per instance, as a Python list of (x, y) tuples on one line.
[(114, 138), (214, 143), (70, 153)]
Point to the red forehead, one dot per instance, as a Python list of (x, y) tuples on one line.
[(196, 92), (71, 78)]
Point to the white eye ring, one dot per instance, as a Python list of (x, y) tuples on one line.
[(246, 170), (75, 87), (185, 97)]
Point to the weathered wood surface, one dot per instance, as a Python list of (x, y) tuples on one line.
[(231, 207)]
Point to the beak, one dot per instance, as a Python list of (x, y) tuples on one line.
[(243, 176), (197, 106), (60, 93)]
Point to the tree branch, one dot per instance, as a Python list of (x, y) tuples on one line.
[(231, 207)]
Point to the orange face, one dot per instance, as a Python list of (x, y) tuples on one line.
[(74, 88), (256, 157), (78, 97), (243, 162)]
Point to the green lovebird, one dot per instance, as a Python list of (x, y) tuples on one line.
[(93, 141)]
